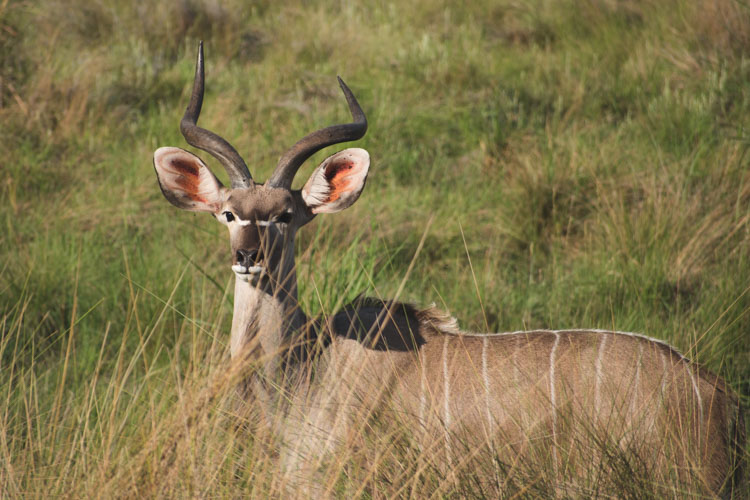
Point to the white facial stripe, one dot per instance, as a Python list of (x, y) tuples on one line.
[(261, 223)]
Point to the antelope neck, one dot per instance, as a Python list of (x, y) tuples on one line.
[(272, 314)]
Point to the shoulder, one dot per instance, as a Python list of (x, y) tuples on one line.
[(388, 324)]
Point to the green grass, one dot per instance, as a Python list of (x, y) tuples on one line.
[(589, 161)]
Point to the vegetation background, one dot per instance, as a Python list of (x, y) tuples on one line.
[(569, 164)]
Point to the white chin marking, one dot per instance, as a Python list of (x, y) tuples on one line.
[(244, 273)]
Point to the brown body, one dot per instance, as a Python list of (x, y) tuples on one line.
[(568, 400), (573, 403)]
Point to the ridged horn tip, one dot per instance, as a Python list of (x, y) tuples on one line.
[(291, 161), (206, 140)]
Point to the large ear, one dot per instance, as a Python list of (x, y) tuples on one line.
[(337, 182), (186, 181)]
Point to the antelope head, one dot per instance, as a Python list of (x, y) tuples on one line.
[(262, 218)]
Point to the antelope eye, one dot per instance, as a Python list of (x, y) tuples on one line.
[(284, 218), (229, 216)]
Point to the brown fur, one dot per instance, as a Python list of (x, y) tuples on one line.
[(420, 363)]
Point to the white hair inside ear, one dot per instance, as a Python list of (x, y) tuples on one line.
[(337, 182)]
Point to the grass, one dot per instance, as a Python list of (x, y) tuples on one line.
[(584, 164)]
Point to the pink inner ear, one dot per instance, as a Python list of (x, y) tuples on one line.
[(339, 176), (337, 182)]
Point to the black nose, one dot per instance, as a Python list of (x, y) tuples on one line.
[(247, 258)]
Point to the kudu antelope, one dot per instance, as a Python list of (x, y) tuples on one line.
[(496, 395)]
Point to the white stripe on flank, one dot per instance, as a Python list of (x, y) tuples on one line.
[(423, 388), (697, 392), (663, 376), (552, 400), (446, 407), (516, 370), (422, 395), (597, 384), (486, 385), (634, 399)]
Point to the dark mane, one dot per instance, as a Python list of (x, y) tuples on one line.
[(389, 325)]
